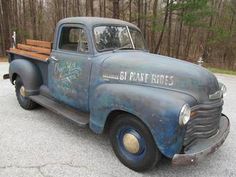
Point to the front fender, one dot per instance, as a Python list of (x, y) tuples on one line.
[(157, 108), (29, 73)]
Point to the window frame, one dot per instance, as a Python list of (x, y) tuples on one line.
[(73, 26), (118, 25)]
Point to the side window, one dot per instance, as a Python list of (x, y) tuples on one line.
[(73, 39)]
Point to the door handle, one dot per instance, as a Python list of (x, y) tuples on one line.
[(54, 58)]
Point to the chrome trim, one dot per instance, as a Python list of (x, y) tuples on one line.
[(132, 42), (204, 147), (204, 123), (218, 94)]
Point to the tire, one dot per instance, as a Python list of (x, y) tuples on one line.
[(141, 157), (24, 101)]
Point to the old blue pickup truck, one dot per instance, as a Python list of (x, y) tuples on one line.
[(98, 72)]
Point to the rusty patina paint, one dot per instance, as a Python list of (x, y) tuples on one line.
[(155, 103), (152, 87), (204, 148)]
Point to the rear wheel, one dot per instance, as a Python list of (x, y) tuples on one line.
[(133, 143), (23, 100)]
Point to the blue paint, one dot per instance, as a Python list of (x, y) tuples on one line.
[(151, 87), (157, 108), (156, 105)]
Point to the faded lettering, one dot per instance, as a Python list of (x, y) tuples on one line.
[(151, 78)]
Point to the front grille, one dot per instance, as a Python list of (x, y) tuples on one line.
[(204, 123)]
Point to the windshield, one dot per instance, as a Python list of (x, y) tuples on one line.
[(112, 37)]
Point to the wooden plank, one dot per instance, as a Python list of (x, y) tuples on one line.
[(29, 54), (37, 43), (34, 49)]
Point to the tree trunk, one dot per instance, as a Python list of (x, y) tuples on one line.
[(116, 9), (6, 25), (104, 8), (145, 19), (87, 8), (66, 8), (32, 4), (78, 7), (20, 21), (130, 10), (228, 46), (188, 43), (209, 33), (100, 8), (91, 8), (154, 24), (139, 13), (163, 28), (169, 30), (40, 19), (24, 20), (180, 35), (2, 44)]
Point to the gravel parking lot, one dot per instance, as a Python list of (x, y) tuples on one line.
[(41, 144)]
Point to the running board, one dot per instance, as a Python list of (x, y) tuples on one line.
[(82, 119)]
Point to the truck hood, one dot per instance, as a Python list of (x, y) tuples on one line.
[(146, 69)]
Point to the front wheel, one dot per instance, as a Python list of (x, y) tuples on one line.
[(133, 143), (23, 100)]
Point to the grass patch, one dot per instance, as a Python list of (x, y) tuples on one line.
[(222, 71), (3, 59)]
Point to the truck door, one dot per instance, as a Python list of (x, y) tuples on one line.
[(69, 67)]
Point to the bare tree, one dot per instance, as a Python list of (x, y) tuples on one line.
[(91, 8), (163, 28), (104, 8), (78, 7), (116, 9), (130, 10), (5, 10), (154, 25), (181, 28), (32, 10), (169, 29)]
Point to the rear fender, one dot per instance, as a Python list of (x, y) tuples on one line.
[(28, 72), (157, 108)]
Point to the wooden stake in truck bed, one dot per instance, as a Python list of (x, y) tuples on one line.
[(98, 73), (40, 50)]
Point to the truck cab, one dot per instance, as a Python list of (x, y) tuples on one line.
[(99, 73)]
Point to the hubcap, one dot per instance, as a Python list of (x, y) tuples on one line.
[(22, 91), (131, 143)]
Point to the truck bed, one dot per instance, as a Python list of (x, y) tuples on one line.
[(35, 49)]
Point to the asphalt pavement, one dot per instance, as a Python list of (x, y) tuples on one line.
[(39, 143)]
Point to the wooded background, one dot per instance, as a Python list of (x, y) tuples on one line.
[(185, 29)]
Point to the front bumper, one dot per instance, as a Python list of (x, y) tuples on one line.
[(204, 147)]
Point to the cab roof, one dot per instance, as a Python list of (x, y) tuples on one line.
[(94, 21)]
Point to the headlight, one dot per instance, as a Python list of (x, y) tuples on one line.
[(223, 89), (184, 114)]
